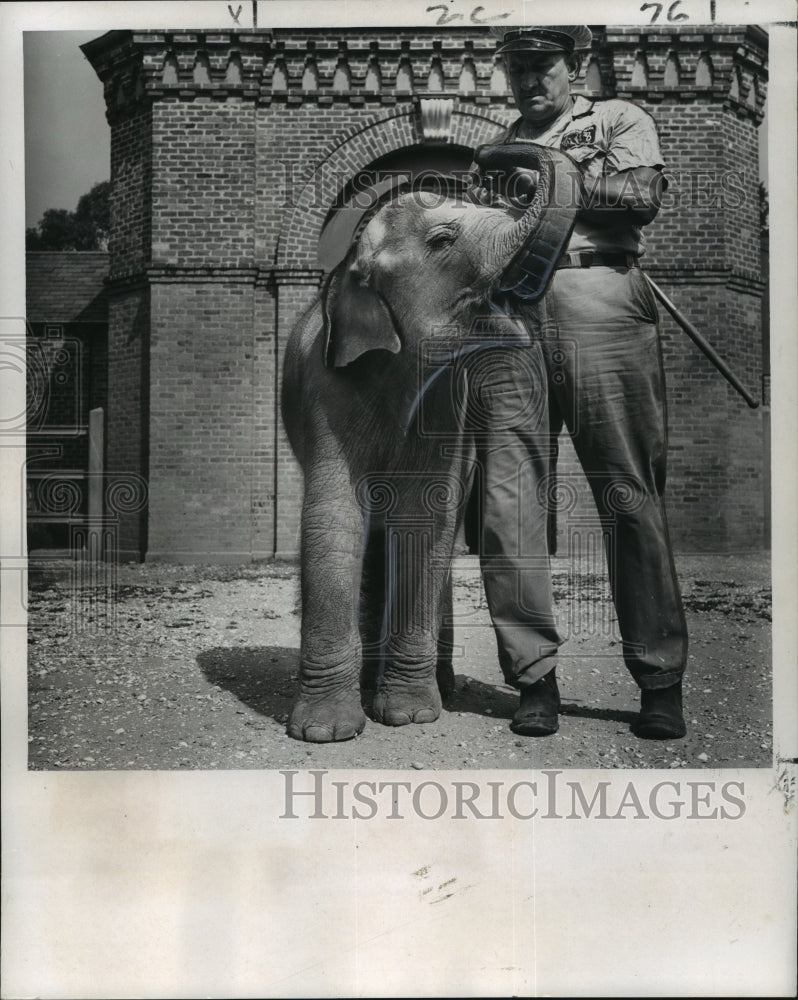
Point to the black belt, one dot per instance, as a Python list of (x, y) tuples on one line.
[(587, 258)]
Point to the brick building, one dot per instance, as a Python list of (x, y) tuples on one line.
[(234, 159)]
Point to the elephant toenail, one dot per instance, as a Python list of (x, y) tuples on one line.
[(318, 734)]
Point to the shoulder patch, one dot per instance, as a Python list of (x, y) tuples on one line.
[(579, 137)]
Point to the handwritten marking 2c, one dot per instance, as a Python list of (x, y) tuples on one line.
[(474, 17)]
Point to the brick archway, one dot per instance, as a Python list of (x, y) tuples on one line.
[(345, 158)]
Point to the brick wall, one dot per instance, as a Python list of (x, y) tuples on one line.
[(265, 422), (201, 429), (131, 198), (127, 421), (715, 440), (203, 204), (210, 361)]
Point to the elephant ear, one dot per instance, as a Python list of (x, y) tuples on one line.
[(356, 318)]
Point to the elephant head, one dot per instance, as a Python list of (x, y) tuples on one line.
[(425, 263)]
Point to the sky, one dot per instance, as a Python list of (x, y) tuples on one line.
[(67, 139)]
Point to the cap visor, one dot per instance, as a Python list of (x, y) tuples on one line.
[(530, 45)]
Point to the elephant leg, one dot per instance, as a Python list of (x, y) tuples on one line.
[(327, 706), (372, 614), (374, 626), (444, 670), (419, 550)]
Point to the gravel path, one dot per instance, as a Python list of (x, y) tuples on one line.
[(168, 667)]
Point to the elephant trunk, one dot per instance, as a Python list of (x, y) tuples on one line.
[(526, 249)]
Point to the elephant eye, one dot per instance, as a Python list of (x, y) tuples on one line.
[(439, 239)]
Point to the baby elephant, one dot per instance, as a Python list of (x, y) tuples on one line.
[(374, 400)]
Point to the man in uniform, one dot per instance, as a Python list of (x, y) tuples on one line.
[(593, 363)]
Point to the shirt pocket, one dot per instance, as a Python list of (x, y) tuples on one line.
[(589, 159)]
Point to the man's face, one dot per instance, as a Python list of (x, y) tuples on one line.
[(541, 83)]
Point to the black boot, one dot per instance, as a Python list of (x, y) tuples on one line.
[(540, 703), (660, 714)]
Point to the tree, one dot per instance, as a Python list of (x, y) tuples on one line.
[(87, 228)]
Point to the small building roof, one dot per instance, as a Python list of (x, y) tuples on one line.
[(66, 286)]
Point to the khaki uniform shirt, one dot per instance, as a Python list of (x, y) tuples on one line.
[(604, 137)]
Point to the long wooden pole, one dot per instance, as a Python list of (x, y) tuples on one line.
[(703, 345)]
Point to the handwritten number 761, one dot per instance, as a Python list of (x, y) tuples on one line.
[(671, 14)]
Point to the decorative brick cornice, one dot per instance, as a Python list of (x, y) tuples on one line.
[(716, 64), (139, 66), (361, 66)]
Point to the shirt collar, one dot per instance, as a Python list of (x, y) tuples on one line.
[(582, 106)]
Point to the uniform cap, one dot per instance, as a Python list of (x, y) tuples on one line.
[(557, 38)]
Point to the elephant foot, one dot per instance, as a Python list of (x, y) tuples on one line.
[(419, 702), (330, 719)]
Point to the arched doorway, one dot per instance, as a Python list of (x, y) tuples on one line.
[(442, 168)]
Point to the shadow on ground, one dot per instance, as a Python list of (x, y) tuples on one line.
[(262, 677), (477, 698), (604, 714)]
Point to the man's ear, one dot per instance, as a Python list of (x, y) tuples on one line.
[(356, 318), (574, 65)]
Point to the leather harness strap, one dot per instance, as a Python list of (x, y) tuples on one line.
[(553, 210)]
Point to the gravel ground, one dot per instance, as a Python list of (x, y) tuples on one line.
[(175, 667)]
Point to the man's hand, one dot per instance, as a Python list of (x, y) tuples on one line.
[(515, 190), (521, 186), (480, 195)]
